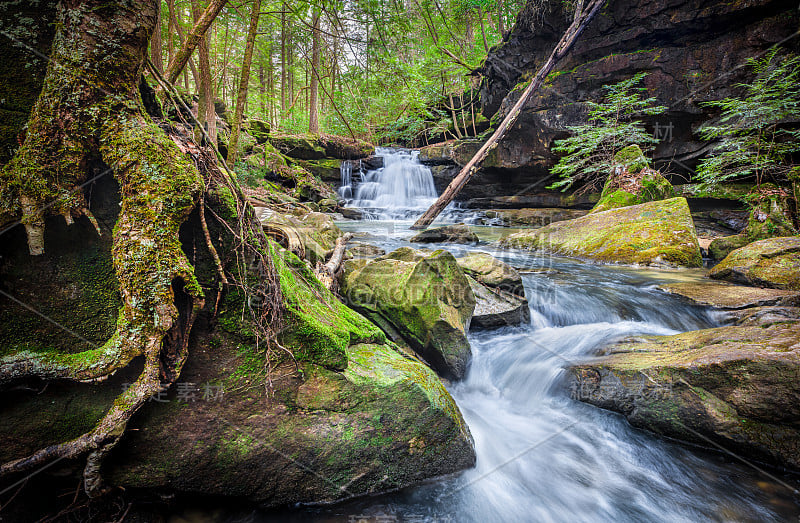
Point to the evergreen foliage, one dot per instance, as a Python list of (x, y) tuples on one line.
[(613, 124)]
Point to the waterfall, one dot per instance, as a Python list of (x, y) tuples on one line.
[(402, 188)]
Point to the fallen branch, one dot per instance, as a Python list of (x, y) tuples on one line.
[(327, 273), (582, 18)]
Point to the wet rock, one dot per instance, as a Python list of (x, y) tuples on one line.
[(364, 250), (736, 386), (723, 295), (653, 233), (459, 233), (346, 149), (328, 169), (773, 263), (311, 236), (351, 213), (497, 308), (328, 205), (422, 298), (491, 272)]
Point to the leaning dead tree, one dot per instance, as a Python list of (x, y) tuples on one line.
[(583, 15), (90, 109)]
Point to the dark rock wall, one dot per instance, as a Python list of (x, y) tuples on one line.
[(693, 52)]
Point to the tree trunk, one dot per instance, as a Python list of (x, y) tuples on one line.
[(313, 108), (179, 32), (193, 40), (284, 68), (75, 123), (156, 51), (500, 24), (244, 81), (582, 18)]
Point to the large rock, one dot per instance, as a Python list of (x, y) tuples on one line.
[(422, 299), (726, 296), (346, 149), (458, 233), (771, 263), (497, 308), (491, 272), (328, 169), (735, 386), (300, 146), (632, 182), (651, 233)]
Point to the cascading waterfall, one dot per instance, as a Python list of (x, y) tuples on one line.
[(403, 187)]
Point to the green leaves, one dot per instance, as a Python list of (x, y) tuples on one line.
[(612, 125), (757, 134)]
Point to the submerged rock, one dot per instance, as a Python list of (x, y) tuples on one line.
[(653, 233), (735, 386), (773, 263), (422, 299), (458, 233)]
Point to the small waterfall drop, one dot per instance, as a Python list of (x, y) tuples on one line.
[(402, 188)]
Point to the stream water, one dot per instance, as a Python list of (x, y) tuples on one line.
[(542, 456)]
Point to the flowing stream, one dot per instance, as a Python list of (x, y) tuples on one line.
[(542, 456)]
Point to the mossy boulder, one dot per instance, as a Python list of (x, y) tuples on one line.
[(774, 263), (736, 386), (422, 299), (327, 169), (258, 129), (346, 148), (632, 182), (300, 146), (491, 272), (458, 233), (653, 233)]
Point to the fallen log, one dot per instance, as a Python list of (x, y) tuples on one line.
[(582, 18)]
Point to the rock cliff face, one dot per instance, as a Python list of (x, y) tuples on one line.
[(693, 52)]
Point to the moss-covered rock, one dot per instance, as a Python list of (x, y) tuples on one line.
[(458, 233), (653, 233), (771, 216), (346, 148), (258, 129), (422, 299), (301, 146), (737, 386), (632, 182), (491, 272), (774, 263), (327, 169), (727, 296)]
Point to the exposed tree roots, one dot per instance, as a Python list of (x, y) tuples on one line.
[(90, 108)]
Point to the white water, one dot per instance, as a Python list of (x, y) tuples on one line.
[(542, 456), (402, 189)]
